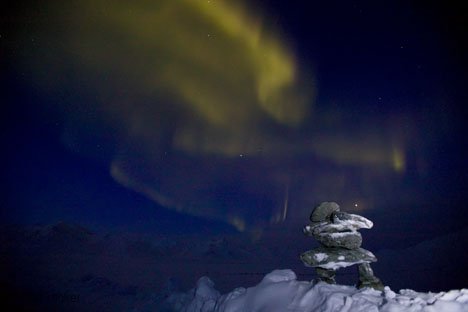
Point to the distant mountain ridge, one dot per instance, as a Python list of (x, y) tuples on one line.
[(63, 260)]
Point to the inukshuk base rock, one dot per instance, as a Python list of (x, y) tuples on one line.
[(337, 232)]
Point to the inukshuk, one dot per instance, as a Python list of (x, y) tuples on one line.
[(340, 241)]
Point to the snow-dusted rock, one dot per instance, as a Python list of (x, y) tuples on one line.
[(335, 258), (340, 231), (349, 239), (351, 221)]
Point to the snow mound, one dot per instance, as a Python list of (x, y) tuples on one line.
[(280, 291)]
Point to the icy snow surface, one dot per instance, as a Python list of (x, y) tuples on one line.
[(280, 291), (321, 256)]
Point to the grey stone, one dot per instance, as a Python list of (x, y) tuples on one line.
[(348, 240), (339, 222), (323, 211), (335, 258), (367, 277), (327, 276)]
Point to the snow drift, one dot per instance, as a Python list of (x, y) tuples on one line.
[(281, 291)]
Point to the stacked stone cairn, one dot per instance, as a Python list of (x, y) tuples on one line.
[(336, 231)]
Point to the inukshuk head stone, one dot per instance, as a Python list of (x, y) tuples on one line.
[(340, 241)]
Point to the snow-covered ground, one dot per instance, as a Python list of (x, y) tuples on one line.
[(281, 291)]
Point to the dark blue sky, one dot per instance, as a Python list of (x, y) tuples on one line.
[(385, 129)]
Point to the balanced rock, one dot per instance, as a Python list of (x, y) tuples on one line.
[(337, 232)]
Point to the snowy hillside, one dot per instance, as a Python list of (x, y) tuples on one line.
[(281, 291)]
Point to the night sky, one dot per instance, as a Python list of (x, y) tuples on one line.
[(218, 116)]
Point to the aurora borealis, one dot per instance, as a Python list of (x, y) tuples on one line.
[(225, 111)]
